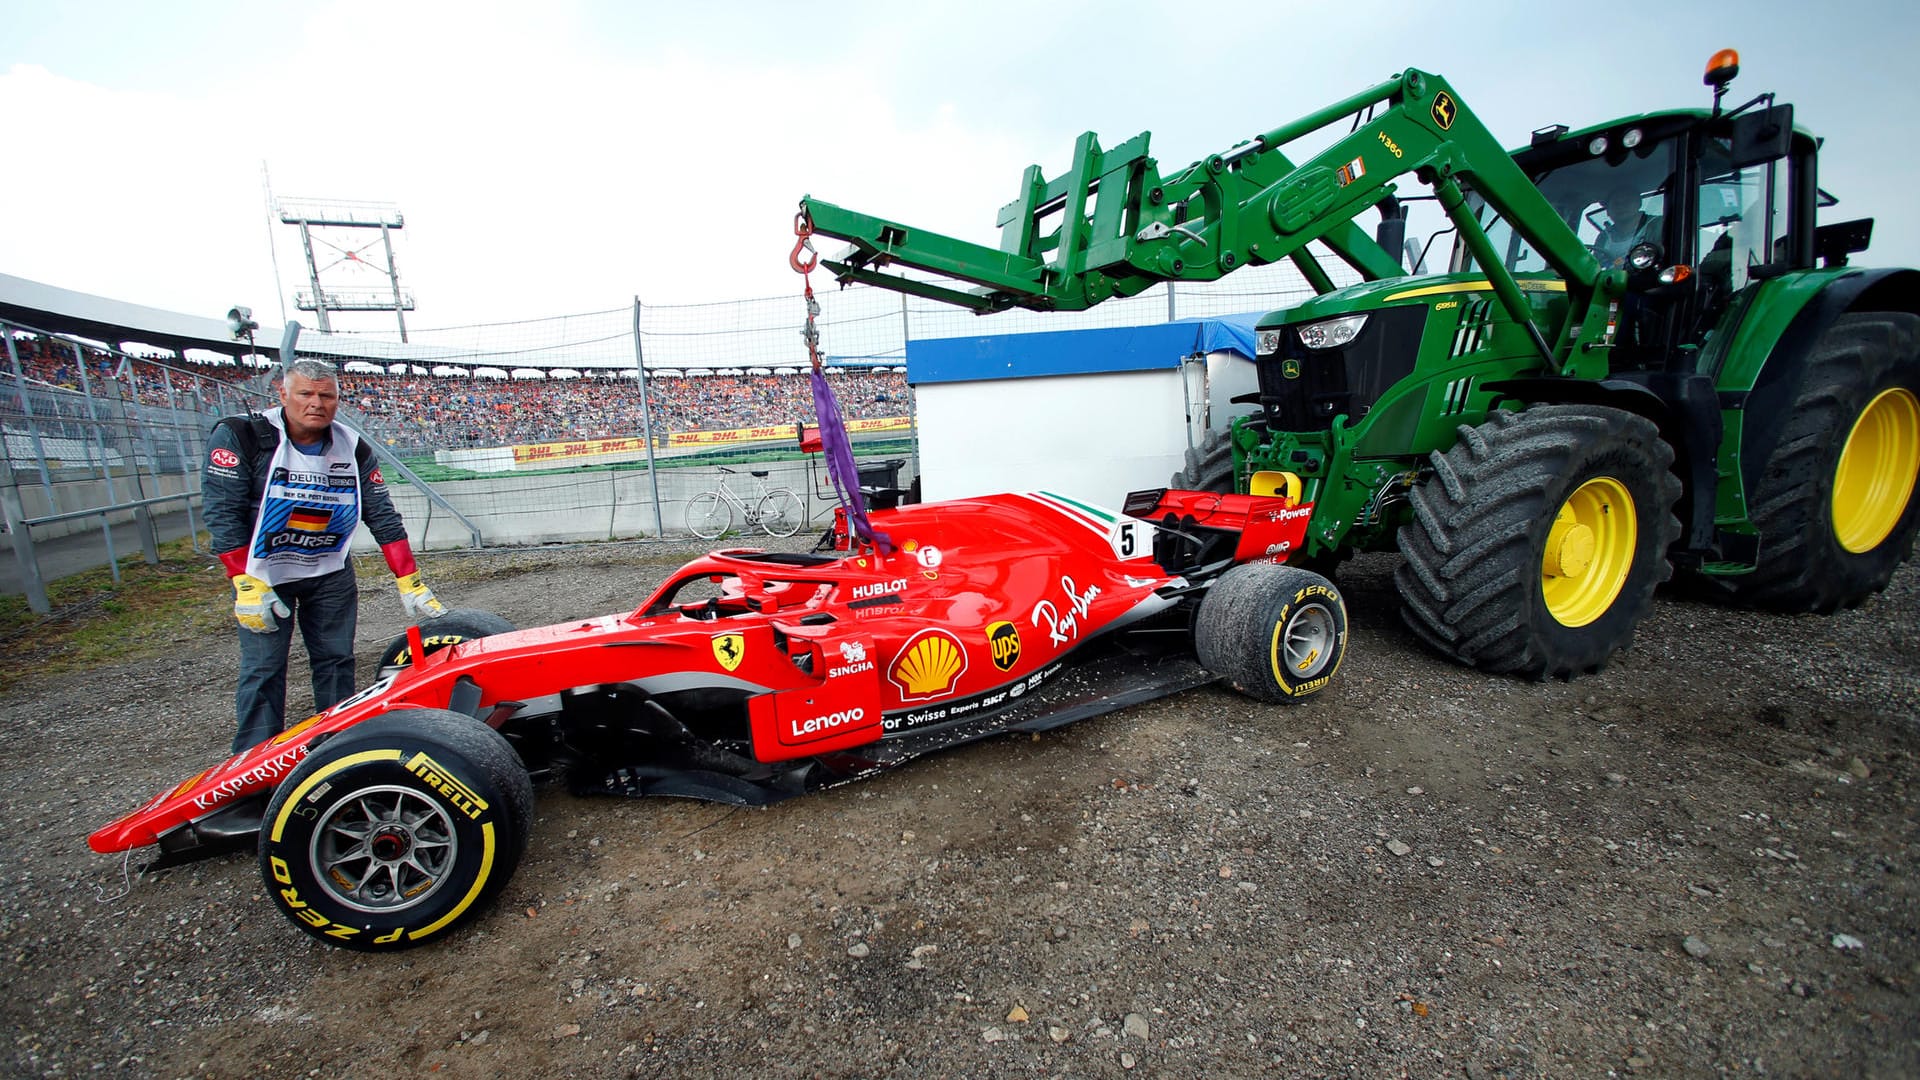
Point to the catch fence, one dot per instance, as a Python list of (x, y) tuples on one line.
[(519, 432)]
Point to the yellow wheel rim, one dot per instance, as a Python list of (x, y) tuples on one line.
[(1589, 552), (1876, 473)]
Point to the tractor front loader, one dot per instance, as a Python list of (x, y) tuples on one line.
[(1646, 355)]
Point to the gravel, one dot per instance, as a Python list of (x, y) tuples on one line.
[(1699, 862)]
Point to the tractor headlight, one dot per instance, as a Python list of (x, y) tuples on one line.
[(1266, 342), (1332, 333)]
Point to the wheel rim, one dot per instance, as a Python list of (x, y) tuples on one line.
[(780, 514), (1875, 477), (708, 517), (1589, 552), (384, 849), (1303, 645)]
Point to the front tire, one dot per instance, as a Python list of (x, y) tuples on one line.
[(1835, 504), (396, 830), (1537, 543), (708, 515), (1273, 632), (456, 626)]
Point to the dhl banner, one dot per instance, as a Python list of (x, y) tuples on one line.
[(537, 453), (770, 432), (562, 452)]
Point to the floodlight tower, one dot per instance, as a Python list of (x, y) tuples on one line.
[(327, 220)]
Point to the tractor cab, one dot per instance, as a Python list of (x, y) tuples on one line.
[(1693, 205)]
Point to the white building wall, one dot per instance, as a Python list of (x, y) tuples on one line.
[(1091, 437)]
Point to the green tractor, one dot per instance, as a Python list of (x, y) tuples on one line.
[(1646, 355)]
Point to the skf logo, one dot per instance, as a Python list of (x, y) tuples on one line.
[(1444, 110), (1289, 369), (929, 666), (224, 458), (729, 649), (1004, 639)]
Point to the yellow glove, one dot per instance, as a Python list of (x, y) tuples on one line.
[(255, 604), (417, 598)]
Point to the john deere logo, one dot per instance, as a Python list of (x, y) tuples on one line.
[(729, 649), (1444, 110), (1289, 369), (1004, 639)]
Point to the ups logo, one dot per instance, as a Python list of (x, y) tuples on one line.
[(1004, 639)]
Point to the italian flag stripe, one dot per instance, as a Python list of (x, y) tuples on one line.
[(1080, 513)]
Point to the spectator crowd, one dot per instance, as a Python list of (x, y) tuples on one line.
[(418, 411), (434, 412)]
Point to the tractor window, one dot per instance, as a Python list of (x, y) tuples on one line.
[(1518, 255), (1743, 217), (1611, 202)]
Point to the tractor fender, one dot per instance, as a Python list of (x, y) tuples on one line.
[(1778, 384), (1683, 406)]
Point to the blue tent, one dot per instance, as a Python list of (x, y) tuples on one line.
[(1078, 352)]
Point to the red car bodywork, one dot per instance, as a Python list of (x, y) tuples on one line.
[(790, 671)]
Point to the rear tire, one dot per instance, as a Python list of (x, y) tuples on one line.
[(708, 516), (779, 512), (1536, 545), (1273, 632), (1835, 504), (1209, 465), (456, 626), (396, 830)]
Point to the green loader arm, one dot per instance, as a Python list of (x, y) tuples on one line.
[(1248, 206)]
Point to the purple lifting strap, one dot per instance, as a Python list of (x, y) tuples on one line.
[(841, 470)]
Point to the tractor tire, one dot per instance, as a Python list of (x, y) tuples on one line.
[(1835, 504), (456, 626), (1537, 543), (1273, 632), (1209, 465), (396, 830)]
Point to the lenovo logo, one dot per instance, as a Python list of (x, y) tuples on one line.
[(819, 724)]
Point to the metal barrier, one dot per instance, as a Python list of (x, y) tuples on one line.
[(93, 436), (19, 526)]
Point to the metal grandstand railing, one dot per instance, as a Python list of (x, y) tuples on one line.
[(92, 436)]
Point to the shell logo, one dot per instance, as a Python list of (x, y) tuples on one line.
[(929, 666)]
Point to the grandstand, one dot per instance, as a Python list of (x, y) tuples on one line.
[(501, 385)]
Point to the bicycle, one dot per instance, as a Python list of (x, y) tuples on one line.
[(775, 511)]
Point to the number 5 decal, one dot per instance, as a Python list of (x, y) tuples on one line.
[(1131, 538)]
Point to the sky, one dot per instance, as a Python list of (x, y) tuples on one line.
[(567, 157)]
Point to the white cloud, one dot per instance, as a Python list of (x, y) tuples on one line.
[(567, 157)]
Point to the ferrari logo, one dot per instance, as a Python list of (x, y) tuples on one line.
[(1290, 369), (1444, 110), (729, 649)]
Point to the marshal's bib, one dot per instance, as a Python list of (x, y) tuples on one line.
[(309, 510)]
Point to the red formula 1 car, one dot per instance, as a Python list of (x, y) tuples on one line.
[(748, 677)]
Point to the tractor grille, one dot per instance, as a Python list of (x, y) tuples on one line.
[(1303, 389)]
